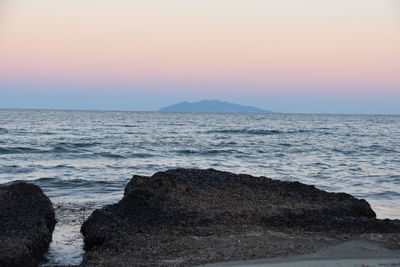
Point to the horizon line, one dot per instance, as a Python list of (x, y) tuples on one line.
[(241, 113)]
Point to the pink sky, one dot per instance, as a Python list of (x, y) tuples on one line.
[(309, 45)]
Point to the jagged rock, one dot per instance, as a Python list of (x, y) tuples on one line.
[(27, 222), (188, 216)]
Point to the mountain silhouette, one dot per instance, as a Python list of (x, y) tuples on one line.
[(213, 106)]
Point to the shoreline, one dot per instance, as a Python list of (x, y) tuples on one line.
[(192, 217), (207, 216), (349, 253), (67, 237)]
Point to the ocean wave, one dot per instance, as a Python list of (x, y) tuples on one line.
[(395, 179), (15, 169), (57, 148), (365, 149), (384, 195), (59, 184), (109, 155), (61, 166), (71, 182), (345, 151), (208, 152), (48, 133), (122, 125), (20, 150), (71, 147), (106, 147), (141, 155), (257, 132), (225, 144), (3, 131), (285, 144), (123, 156), (80, 145), (374, 148), (63, 149)]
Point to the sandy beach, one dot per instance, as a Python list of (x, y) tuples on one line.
[(351, 253)]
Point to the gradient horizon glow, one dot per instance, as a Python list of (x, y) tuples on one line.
[(338, 56)]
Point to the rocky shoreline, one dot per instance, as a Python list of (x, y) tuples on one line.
[(187, 217), (27, 222)]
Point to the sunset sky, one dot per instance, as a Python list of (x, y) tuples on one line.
[(339, 56)]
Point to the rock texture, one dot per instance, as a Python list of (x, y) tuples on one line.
[(186, 216), (27, 221)]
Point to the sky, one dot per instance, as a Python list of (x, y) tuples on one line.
[(299, 56)]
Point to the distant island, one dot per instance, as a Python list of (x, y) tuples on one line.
[(213, 106)]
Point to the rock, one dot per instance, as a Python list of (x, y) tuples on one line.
[(27, 222), (186, 216)]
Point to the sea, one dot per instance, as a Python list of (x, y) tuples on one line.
[(83, 159)]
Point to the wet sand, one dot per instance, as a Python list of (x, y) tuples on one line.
[(351, 253)]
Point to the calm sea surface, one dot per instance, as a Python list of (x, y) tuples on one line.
[(84, 159)]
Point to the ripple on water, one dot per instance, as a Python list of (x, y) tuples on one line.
[(66, 247), (93, 154), (110, 155), (257, 132), (15, 169), (386, 195), (3, 131), (208, 152), (20, 150)]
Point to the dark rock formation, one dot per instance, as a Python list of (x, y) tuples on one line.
[(185, 217), (27, 222)]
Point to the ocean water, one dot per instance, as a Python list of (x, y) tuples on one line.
[(84, 159)]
